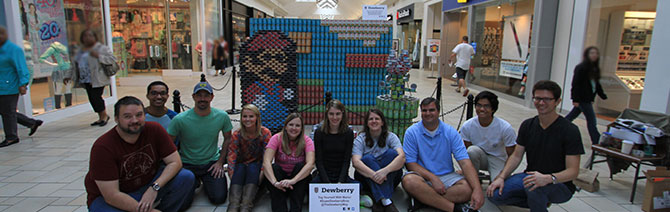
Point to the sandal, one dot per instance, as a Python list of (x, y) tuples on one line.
[(6, 143)]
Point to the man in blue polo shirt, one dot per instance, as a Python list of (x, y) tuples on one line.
[(431, 179)]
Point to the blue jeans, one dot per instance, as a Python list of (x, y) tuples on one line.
[(587, 109), (537, 200), (171, 194), (215, 188), (384, 190), (246, 173)]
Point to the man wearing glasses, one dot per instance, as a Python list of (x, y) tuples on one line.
[(431, 179), (552, 145), (489, 139), (158, 94)]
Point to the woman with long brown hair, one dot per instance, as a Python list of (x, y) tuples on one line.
[(378, 159), (585, 86), (293, 154), (333, 142)]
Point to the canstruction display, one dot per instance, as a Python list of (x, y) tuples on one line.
[(344, 57), (268, 76), (398, 108)]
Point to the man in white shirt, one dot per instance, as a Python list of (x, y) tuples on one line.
[(462, 52), (489, 140)]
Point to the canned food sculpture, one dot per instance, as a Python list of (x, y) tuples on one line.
[(344, 57), (398, 108), (268, 76)]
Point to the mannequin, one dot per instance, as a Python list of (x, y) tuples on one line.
[(62, 74)]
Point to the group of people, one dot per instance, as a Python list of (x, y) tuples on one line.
[(155, 154)]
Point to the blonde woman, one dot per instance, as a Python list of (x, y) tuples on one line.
[(293, 154), (245, 157)]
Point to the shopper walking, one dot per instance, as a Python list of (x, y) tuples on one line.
[(585, 86), (378, 159), (219, 56), (89, 73), (293, 155), (245, 159), (462, 52), (15, 77)]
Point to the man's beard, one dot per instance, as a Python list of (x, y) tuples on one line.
[(203, 106), (129, 131)]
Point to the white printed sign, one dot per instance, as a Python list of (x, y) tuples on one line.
[(374, 12), (334, 197), (433, 48)]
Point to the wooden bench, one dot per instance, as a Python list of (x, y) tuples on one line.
[(635, 162)]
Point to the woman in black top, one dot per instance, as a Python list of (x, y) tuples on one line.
[(585, 86), (333, 142)]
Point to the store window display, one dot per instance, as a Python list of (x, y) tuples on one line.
[(622, 30), (50, 31), (502, 37), (156, 34)]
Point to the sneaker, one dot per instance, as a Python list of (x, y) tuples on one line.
[(366, 201), (464, 207), (466, 92), (33, 129)]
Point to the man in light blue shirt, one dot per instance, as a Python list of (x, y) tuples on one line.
[(431, 179)]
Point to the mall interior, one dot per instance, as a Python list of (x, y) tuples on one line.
[(516, 42)]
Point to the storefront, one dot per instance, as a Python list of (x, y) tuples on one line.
[(500, 31), (622, 30), (51, 32), (408, 31)]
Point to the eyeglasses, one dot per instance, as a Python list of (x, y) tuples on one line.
[(488, 107), (541, 99), (155, 93)]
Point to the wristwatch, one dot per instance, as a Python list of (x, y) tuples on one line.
[(553, 179), (156, 187)]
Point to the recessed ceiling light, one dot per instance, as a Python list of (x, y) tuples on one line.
[(305, 1)]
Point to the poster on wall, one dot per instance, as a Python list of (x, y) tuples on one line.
[(515, 43), (433, 48), (374, 12), (47, 30)]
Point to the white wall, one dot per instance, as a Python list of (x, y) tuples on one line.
[(656, 93), (568, 45), (259, 5), (432, 19)]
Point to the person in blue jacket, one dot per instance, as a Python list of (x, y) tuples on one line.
[(14, 78)]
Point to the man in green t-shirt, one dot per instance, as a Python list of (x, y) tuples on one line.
[(198, 132)]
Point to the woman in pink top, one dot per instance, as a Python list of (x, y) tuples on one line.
[(293, 154)]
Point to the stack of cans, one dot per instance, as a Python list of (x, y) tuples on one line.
[(398, 108), (344, 57), (268, 76)]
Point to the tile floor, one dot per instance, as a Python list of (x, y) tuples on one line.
[(45, 172)]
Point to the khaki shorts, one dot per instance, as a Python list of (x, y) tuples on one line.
[(448, 179)]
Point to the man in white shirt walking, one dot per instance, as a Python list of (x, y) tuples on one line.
[(462, 52)]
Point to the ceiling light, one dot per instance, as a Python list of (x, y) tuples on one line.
[(326, 4), (305, 0)]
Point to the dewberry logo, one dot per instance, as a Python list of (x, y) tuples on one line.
[(316, 189)]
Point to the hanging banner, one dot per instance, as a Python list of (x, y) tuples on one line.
[(433, 48), (334, 197), (515, 43), (46, 26)]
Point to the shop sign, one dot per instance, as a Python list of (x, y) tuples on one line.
[(334, 197), (389, 17), (374, 12), (512, 69), (403, 13)]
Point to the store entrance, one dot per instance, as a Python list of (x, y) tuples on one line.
[(152, 36)]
